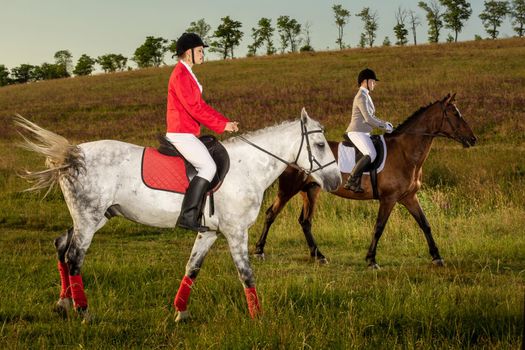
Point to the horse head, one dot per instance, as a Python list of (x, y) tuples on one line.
[(453, 125), (315, 157)]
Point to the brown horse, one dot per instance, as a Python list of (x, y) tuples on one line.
[(408, 147)]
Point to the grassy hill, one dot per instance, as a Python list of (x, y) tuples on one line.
[(474, 199), (488, 77)]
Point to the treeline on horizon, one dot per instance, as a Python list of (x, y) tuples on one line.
[(294, 37)]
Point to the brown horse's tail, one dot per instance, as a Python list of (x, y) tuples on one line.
[(62, 157)]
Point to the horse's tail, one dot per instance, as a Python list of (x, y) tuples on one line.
[(62, 157)]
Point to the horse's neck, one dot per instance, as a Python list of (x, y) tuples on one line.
[(256, 166), (416, 141)]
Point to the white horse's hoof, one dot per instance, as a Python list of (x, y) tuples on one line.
[(86, 316), (63, 306), (182, 316)]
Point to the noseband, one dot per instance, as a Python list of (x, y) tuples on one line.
[(311, 158)]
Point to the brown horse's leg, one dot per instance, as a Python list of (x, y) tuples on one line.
[(310, 193), (385, 208), (414, 208), (287, 189)]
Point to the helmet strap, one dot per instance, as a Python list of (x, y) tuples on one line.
[(367, 87), (192, 56)]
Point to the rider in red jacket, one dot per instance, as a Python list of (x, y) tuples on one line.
[(185, 113)]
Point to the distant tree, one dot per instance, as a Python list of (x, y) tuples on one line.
[(48, 71), (456, 14), (414, 22), (400, 30), (518, 15), (23, 73), (228, 36), (370, 20), (341, 19), (201, 28), (85, 65), (64, 62), (112, 62), (289, 30), (477, 37), (387, 42), (151, 53), (434, 18), (362, 41), (4, 76), (450, 38), (307, 47), (262, 35), (493, 15)]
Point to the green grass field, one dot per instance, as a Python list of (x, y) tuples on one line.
[(474, 199)]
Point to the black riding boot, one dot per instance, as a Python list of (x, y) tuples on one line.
[(354, 181), (190, 212)]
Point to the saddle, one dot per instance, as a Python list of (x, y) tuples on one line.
[(372, 167), (166, 169)]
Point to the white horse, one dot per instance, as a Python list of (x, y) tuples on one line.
[(102, 179)]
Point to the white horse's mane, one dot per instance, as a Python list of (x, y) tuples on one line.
[(258, 132)]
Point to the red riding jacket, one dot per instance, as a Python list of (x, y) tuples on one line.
[(186, 108)]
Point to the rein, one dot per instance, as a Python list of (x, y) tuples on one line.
[(311, 158)]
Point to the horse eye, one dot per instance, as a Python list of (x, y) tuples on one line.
[(320, 145)]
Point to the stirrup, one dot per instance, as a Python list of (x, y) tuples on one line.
[(354, 185)]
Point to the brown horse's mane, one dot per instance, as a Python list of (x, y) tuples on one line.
[(405, 124)]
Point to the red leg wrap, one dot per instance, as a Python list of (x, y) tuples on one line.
[(253, 301), (77, 291), (65, 291), (183, 294)]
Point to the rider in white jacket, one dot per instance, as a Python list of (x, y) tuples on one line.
[(362, 123)]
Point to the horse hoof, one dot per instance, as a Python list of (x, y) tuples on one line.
[(322, 261), (438, 262), (182, 316), (63, 306), (374, 266), (260, 256), (86, 316)]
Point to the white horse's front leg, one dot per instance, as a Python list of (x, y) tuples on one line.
[(238, 243), (202, 245)]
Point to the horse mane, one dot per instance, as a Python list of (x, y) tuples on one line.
[(259, 131), (404, 125)]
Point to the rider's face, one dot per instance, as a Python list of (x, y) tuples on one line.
[(371, 84), (198, 55)]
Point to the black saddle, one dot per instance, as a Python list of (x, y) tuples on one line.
[(217, 152), (372, 168), (378, 145)]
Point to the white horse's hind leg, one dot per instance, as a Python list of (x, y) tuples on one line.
[(65, 302), (80, 242), (202, 245), (238, 244)]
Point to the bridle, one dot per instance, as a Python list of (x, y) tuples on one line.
[(311, 158)]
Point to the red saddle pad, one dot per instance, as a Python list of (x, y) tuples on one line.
[(162, 172)]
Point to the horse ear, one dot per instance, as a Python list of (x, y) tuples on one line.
[(449, 99), (304, 115)]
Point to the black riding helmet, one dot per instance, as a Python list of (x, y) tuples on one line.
[(366, 74), (188, 41)]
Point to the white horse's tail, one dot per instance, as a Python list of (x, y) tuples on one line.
[(62, 157)]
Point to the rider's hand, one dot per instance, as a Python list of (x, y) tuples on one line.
[(389, 127), (231, 126)]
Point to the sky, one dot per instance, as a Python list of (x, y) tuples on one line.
[(31, 31)]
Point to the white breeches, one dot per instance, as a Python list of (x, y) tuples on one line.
[(363, 142), (195, 152)]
